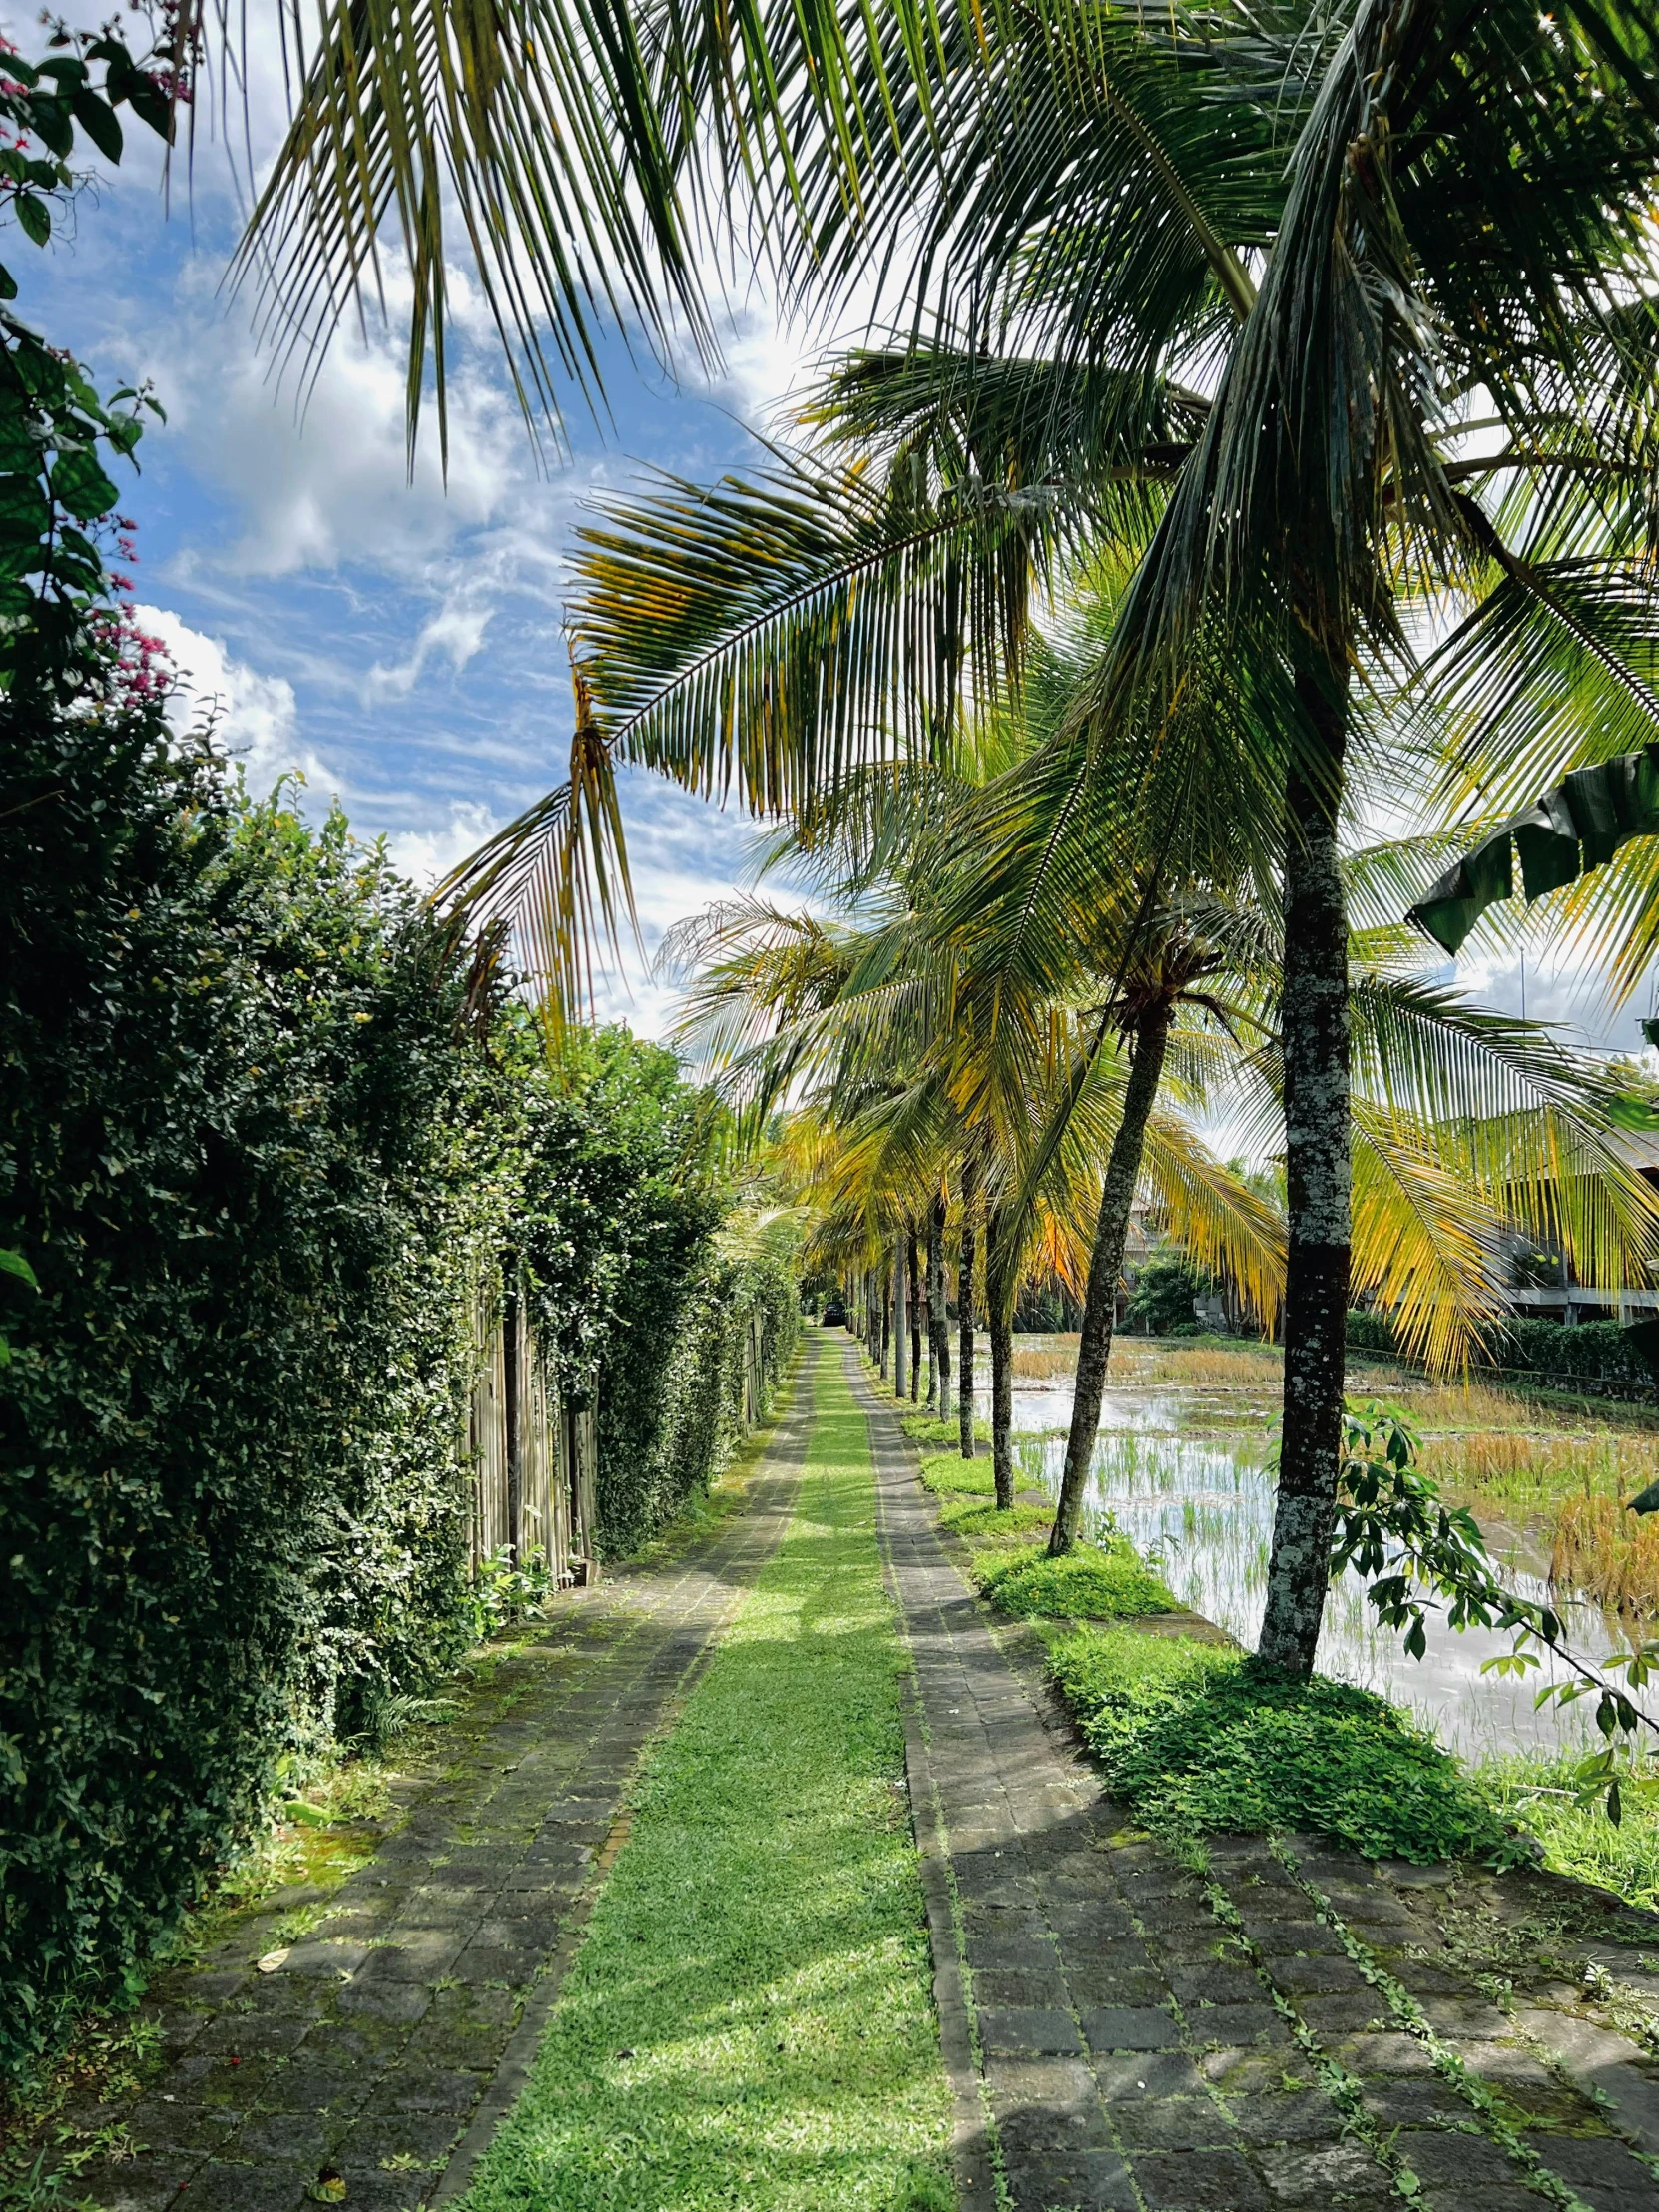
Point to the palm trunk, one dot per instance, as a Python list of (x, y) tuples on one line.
[(1317, 1177), (1003, 1406), (942, 1318), (1094, 1350), (999, 1315), (912, 1262), (964, 1307), (932, 1327), (901, 1319)]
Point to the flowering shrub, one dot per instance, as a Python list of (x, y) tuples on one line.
[(60, 623)]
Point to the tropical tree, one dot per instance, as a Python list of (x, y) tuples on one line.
[(1358, 231), (1529, 1126), (875, 1024)]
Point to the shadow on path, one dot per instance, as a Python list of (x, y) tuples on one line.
[(378, 2042), (1288, 2030)]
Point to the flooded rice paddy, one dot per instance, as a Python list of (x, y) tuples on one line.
[(1181, 1467)]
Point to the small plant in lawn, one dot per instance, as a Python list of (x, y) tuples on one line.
[(503, 1594), (1196, 1739), (1091, 1582)]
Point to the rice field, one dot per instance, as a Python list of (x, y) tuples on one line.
[(1554, 1479), (1182, 1466)]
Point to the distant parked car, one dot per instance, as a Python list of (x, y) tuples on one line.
[(835, 1314)]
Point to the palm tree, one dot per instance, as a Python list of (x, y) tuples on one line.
[(1357, 227), (1528, 1124), (879, 1029)]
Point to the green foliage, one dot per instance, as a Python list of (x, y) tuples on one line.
[(987, 1525), (257, 1164), (925, 1428), (56, 434), (1541, 1794), (1370, 1330), (1583, 1352), (1162, 1298), (500, 1593), (620, 1201), (1596, 1351), (242, 1154), (1196, 1738), (1392, 1527), (749, 2020), (946, 1473), (617, 1197), (670, 1391), (1090, 1582)]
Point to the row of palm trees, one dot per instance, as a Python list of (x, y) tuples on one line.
[(1322, 331), (962, 1018)]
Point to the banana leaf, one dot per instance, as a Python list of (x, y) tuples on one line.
[(1560, 836)]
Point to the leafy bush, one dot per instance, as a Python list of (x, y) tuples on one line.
[(1598, 1351), (987, 1524), (240, 1148), (670, 1391), (1091, 1582), (1371, 1332), (1195, 1738), (1163, 1293)]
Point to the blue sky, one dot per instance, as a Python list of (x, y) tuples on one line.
[(402, 644)]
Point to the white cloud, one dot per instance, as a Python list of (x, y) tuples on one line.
[(1567, 985), (426, 856), (455, 632), (255, 717), (327, 485)]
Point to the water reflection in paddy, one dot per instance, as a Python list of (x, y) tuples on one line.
[(1183, 1474)]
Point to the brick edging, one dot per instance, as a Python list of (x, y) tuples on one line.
[(970, 2153)]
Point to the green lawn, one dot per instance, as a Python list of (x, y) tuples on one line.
[(749, 2023)]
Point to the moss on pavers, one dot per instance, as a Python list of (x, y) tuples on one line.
[(749, 2020)]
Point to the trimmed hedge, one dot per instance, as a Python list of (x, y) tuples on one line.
[(258, 1155), (242, 1152), (1588, 1352), (1595, 1350), (671, 1418), (616, 1227)]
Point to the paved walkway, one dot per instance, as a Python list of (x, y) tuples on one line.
[(1126, 2037), (381, 2051)]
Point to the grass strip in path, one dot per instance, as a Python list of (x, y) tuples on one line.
[(749, 2023)]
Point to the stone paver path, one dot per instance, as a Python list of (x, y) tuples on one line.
[(382, 2049), (1290, 2030)]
